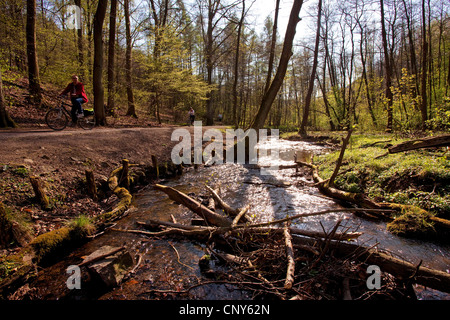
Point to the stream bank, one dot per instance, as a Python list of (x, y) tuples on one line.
[(170, 265)]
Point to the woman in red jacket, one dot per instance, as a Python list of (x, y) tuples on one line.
[(77, 96)]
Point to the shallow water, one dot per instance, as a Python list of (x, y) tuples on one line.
[(173, 264)]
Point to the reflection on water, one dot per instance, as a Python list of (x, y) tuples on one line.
[(284, 193), (173, 264)]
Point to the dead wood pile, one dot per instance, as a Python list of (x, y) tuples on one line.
[(277, 260)]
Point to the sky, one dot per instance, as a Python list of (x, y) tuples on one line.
[(262, 8)]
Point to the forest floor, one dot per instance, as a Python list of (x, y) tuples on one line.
[(60, 158)]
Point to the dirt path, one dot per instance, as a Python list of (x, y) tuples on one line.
[(60, 160), (99, 145)]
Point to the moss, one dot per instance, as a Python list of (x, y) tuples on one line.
[(125, 201), (412, 221), (416, 177), (50, 242), (81, 227), (64, 239), (21, 171), (9, 265)]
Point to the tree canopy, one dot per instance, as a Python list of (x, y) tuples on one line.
[(378, 64)]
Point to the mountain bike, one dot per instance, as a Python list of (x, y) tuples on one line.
[(58, 118)]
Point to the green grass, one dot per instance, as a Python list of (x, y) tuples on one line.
[(419, 177)]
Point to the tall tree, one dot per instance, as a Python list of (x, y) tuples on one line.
[(131, 106), (302, 130), (270, 95), (236, 66), (272, 46), (111, 55), (412, 48), (387, 70), (5, 119), (80, 46), (211, 13), (423, 105), (160, 21), (99, 18), (33, 67)]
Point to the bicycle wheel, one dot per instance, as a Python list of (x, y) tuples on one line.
[(56, 119), (87, 122)]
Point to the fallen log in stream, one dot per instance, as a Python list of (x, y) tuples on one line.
[(294, 240)]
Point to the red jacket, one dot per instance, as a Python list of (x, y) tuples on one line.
[(79, 91)]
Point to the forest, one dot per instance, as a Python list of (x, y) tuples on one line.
[(380, 65), (359, 90)]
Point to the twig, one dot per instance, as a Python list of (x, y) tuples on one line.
[(327, 244), (375, 143), (240, 215), (238, 283), (302, 215), (178, 257), (340, 158), (228, 210), (86, 262), (381, 155), (290, 257)]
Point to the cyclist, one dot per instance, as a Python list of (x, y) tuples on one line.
[(77, 95)]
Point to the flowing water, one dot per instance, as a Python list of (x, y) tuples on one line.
[(173, 264)]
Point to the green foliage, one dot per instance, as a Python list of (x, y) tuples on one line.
[(81, 227), (21, 171), (406, 102), (60, 240), (416, 178), (441, 120), (413, 221)]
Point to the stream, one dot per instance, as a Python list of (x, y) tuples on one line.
[(169, 264)]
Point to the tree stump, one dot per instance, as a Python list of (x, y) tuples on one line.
[(90, 183), (124, 179), (39, 192), (155, 166), (5, 227)]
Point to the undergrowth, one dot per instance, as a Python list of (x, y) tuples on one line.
[(418, 178)]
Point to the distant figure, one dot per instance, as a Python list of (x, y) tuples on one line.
[(220, 117), (191, 116), (77, 96)]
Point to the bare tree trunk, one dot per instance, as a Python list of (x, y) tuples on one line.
[(131, 107), (411, 49), (423, 106), (33, 67), (387, 70), (160, 24), (364, 75), (80, 47), (286, 54), (5, 119), (302, 129), (99, 17), (111, 54), (212, 10), (272, 46), (448, 75), (236, 66)]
